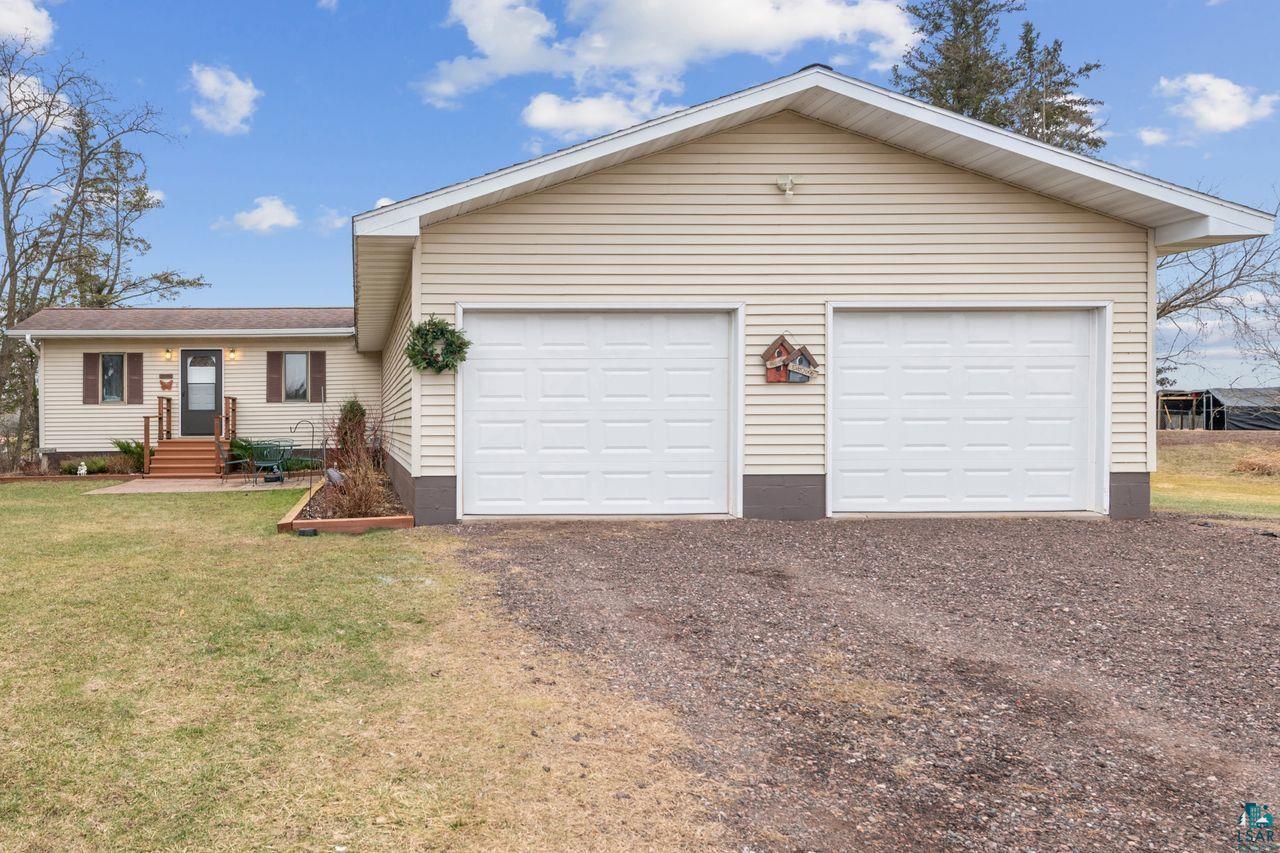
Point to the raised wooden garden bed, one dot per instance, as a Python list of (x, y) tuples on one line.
[(291, 521)]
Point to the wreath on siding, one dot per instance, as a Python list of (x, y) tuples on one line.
[(437, 345)]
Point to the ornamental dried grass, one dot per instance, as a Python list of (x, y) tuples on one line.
[(356, 451), (1262, 464)]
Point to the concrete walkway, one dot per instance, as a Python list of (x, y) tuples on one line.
[(149, 486)]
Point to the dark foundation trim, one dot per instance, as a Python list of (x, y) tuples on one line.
[(431, 500), (787, 497), (1130, 495)]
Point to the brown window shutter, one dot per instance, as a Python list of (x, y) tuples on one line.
[(275, 377), (316, 387), (90, 392), (133, 378)]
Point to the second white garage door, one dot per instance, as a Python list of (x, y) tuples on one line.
[(943, 411), (576, 413)]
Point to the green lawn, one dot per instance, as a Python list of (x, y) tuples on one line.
[(1197, 478), (174, 674)]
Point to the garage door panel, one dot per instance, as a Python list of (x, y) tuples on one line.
[(593, 413), (576, 488), (690, 434), (569, 384), (939, 411), (913, 487), (983, 381), (967, 333), (924, 433)]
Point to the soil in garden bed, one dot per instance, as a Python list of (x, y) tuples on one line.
[(322, 504)]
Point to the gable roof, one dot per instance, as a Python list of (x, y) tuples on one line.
[(119, 322), (1181, 218)]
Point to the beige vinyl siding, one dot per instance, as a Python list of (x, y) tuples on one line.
[(72, 426), (397, 389), (706, 222)]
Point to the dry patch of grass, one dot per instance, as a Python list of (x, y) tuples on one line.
[(175, 675), (1258, 463), (1226, 479)]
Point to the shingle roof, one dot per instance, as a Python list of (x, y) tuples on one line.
[(184, 319)]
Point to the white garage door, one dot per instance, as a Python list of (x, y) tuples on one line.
[(575, 413), (940, 411)]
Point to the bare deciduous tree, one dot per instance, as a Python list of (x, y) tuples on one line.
[(1232, 289), (70, 194)]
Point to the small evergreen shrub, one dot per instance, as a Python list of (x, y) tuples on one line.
[(133, 451)]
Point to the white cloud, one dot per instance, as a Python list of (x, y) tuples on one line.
[(383, 202), (1153, 136), (330, 220), (269, 213), (510, 37), (327, 5), (624, 56), (1214, 104), (585, 116), (21, 19), (225, 100), (31, 103), (155, 195)]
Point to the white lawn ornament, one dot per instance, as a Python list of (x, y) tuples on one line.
[(82, 470)]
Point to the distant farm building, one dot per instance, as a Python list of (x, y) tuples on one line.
[(1220, 409)]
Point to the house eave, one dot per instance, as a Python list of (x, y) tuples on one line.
[(335, 332)]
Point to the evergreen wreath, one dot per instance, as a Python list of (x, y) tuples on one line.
[(437, 345)]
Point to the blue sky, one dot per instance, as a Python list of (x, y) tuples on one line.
[(290, 115)]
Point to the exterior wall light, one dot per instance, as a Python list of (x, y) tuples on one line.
[(168, 354), (232, 354), (787, 183)]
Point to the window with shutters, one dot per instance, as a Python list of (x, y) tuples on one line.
[(112, 377), (295, 377)]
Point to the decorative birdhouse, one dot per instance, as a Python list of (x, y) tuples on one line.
[(775, 359), (802, 366), (784, 362)]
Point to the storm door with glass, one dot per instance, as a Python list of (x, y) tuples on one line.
[(201, 390)]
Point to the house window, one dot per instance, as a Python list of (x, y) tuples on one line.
[(112, 377), (295, 377)]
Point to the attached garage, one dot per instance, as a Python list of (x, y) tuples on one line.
[(975, 311), (965, 409), (592, 412)]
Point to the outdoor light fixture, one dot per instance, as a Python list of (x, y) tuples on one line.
[(787, 183), (168, 354), (231, 354)]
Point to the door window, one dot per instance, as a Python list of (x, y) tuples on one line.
[(202, 383)]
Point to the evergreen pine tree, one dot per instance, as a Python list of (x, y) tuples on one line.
[(1045, 103), (962, 65)]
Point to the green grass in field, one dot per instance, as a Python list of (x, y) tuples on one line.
[(1197, 478), (174, 674)]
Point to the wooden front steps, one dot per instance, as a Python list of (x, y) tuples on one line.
[(185, 458)]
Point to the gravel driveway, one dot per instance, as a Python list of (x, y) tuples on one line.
[(933, 683)]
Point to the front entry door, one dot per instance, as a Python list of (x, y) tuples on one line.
[(201, 390)]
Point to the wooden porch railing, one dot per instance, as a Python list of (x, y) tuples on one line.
[(164, 429), (164, 415), (230, 414)]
